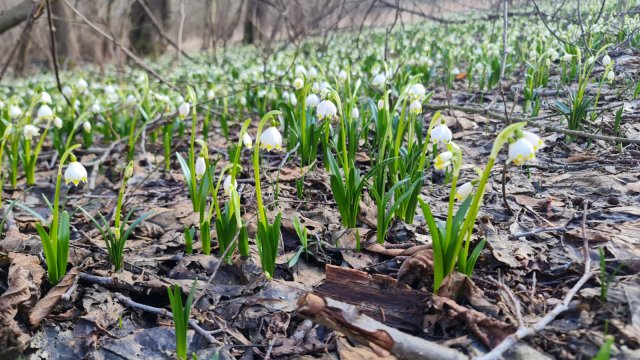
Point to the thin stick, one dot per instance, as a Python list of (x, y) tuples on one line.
[(537, 231), (504, 190), (524, 332), (164, 312), (180, 28)]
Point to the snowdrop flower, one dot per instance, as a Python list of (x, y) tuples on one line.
[(378, 80), (567, 57), (312, 100), (590, 60), (298, 83), (520, 152), (553, 55), (201, 167), (463, 191), (227, 185), (96, 108), (45, 97), (313, 73), (57, 122), (301, 71), (417, 92), (14, 112), (179, 99), (455, 71), (380, 104), (534, 140), (415, 107), (75, 173), (82, 85), (443, 160), (184, 110), (355, 113), (606, 60), (109, 90), (441, 134), (271, 139), (86, 126), (30, 131), (293, 99), (611, 75), (67, 91), (246, 140), (44, 112), (326, 109), (342, 75), (130, 100), (210, 94), (243, 101)]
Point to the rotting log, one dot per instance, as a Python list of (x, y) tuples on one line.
[(379, 296), (382, 339)]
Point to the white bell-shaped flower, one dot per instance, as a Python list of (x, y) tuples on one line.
[(443, 160), (75, 173), (463, 191), (227, 185), (44, 112), (96, 108), (326, 109), (246, 140), (82, 85), (378, 80), (534, 140), (415, 107), (417, 92), (201, 167), (45, 98), (86, 126), (14, 112), (567, 57), (520, 152), (271, 139), (441, 134), (184, 110), (342, 75), (312, 100), (57, 122), (380, 104), (611, 75), (606, 60), (30, 131), (313, 73), (67, 91), (298, 83), (301, 71), (210, 94), (355, 113)]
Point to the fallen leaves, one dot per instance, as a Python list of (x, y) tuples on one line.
[(49, 301)]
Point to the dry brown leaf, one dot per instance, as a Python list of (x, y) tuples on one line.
[(24, 279), (416, 268), (357, 352), (291, 173), (49, 301)]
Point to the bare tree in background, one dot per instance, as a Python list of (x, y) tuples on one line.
[(143, 37)]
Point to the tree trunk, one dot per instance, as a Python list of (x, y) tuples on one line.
[(144, 39), (66, 41)]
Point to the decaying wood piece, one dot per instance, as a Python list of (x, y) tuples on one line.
[(382, 339), (379, 296)]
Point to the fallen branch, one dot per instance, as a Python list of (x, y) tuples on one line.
[(527, 331), (382, 339)]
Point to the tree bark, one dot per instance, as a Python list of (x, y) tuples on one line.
[(66, 40), (14, 16), (144, 39)]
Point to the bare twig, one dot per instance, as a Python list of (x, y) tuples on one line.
[(180, 28), (164, 312), (537, 231)]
